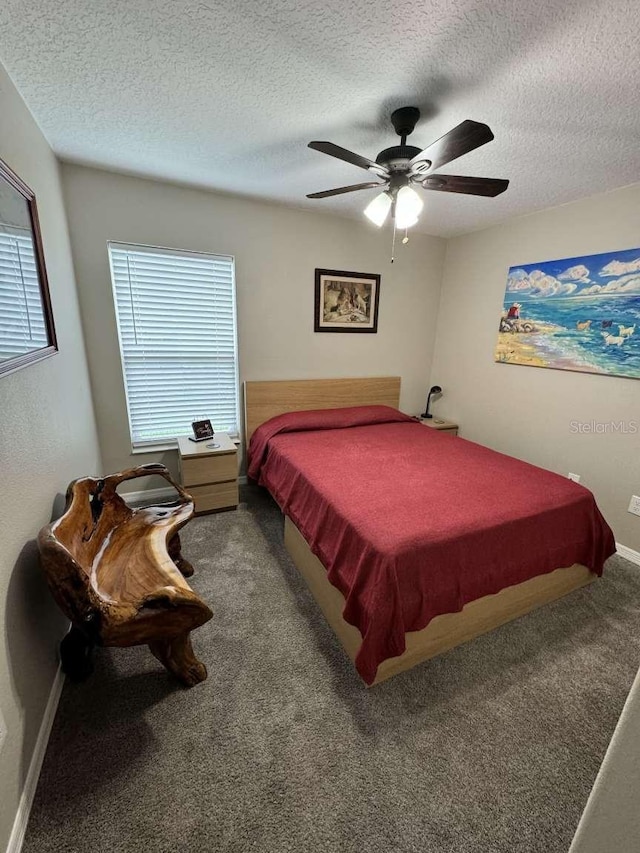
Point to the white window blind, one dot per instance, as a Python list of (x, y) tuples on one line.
[(22, 325), (177, 324)]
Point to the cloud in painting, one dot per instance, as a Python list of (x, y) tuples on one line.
[(624, 285), (538, 284), (620, 267), (579, 273), (517, 280), (617, 284)]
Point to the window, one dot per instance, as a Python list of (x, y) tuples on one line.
[(22, 325), (177, 325)]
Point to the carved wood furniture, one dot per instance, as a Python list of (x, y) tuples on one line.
[(118, 574), (264, 400)]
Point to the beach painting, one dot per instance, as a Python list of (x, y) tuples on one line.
[(574, 314)]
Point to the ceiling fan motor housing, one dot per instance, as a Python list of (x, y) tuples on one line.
[(397, 161), (397, 158)]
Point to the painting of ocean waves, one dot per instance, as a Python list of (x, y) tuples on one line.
[(574, 314)]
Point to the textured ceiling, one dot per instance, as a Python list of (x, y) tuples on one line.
[(227, 94)]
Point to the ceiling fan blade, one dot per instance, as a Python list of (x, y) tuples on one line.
[(349, 157), (339, 190), (462, 184), (467, 136)]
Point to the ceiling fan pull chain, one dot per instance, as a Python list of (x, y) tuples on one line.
[(393, 241), (405, 239)]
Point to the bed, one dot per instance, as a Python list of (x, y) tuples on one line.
[(412, 541)]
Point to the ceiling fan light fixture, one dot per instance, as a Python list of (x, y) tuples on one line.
[(408, 206), (378, 209)]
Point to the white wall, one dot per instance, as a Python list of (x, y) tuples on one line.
[(611, 819), (277, 250), (527, 411), (47, 437)]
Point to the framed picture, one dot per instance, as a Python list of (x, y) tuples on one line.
[(27, 333), (574, 314), (346, 301), (202, 430)]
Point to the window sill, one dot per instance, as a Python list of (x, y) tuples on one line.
[(163, 446), (154, 448)]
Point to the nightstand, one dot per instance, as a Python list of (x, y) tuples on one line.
[(210, 474), (439, 424)]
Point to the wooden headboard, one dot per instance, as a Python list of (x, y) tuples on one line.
[(264, 400)]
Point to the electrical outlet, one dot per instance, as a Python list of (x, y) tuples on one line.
[(634, 505), (574, 477)]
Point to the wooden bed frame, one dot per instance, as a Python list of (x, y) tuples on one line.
[(264, 400)]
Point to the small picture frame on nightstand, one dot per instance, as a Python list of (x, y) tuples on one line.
[(202, 431)]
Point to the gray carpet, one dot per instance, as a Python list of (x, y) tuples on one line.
[(491, 748)]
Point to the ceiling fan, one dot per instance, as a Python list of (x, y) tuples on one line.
[(400, 166)]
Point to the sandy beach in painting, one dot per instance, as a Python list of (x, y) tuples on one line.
[(538, 349)]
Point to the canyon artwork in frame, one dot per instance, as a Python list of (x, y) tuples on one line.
[(346, 301)]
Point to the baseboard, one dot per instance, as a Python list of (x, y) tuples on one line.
[(31, 782), (628, 553)]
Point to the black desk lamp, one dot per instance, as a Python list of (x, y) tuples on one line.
[(436, 389)]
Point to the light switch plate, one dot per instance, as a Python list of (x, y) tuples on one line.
[(634, 505)]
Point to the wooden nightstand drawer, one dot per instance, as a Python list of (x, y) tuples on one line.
[(209, 469), (214, 496)]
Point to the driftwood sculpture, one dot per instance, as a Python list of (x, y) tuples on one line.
[(118, 574)]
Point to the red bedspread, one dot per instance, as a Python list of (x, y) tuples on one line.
[(411, 523)]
